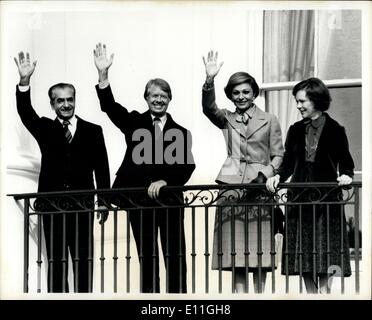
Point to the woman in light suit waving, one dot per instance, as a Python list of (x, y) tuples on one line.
[(255, 149)]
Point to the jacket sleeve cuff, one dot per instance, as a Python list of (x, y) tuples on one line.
[(23, 88), (268, 171), (103, 84), (105, 95), (208, 86)]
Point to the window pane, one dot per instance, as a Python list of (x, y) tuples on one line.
[(339, 44), (282, 104), (346, 109), (288, 45)]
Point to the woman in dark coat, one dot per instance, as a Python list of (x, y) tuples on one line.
[(316, 148)]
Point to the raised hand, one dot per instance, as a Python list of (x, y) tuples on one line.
[(211, 66), (100, 58), (25, 68)]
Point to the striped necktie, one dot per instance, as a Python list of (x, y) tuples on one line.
[(68, 134)]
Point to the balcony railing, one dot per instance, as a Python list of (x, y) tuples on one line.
[(197, 202)]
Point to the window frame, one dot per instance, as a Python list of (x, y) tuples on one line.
[(273, 86)]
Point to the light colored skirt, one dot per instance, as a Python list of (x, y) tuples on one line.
[(224, 245)]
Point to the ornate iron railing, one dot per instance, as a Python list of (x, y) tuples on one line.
[(197, 201)]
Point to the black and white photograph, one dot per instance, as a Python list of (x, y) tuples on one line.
[(185, 150)]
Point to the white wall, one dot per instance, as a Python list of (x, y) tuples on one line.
[(165, 41), (149, 40)]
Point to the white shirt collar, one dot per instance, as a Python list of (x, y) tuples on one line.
[(72, 125), (72, 120), (163, 119)]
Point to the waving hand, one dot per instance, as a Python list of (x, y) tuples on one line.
[(101, 61), (211, 65), (25, 68)]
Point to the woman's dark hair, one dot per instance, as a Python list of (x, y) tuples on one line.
[(162, 84), (239, 78), (316, 91)]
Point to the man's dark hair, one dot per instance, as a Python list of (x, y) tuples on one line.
[(59, 86)]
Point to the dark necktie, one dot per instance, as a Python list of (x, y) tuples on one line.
[(157, 128), (68, 134)]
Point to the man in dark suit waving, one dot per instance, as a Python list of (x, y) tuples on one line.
[(72, 150), (158, 154)]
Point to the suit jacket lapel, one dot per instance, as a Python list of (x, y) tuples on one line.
[(77, 134), (238, 126), (147, 121), (256, 122), (57, 123), (59, 128), (323, 139), (169, 124), (302, 140)]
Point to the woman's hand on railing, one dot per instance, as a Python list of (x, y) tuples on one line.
[(272, 183), (344, 180)]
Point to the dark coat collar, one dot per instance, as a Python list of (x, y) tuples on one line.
[(325, 139)]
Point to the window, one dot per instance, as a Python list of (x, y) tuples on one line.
[(322, 43)]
